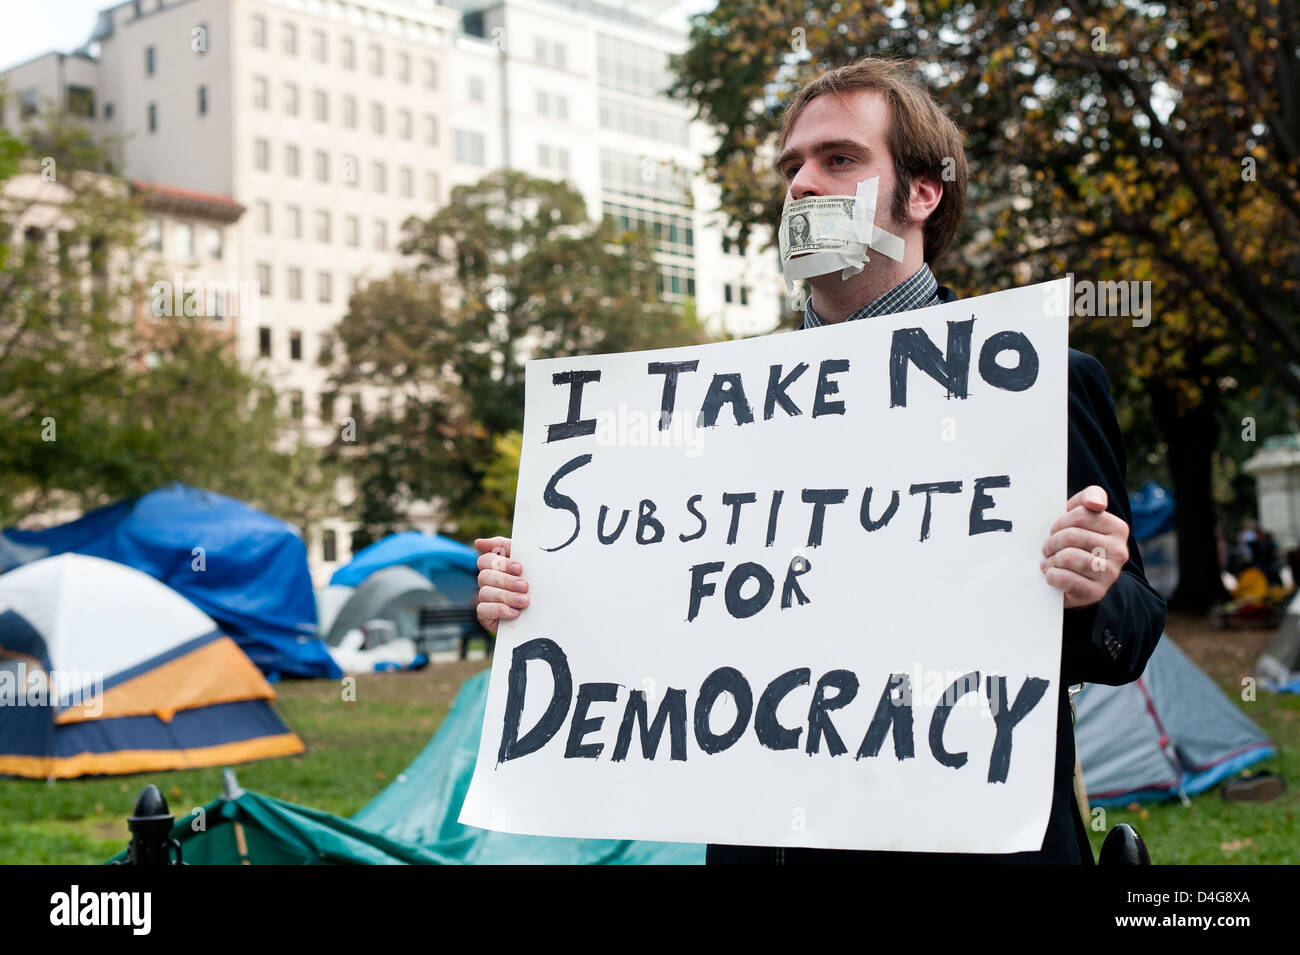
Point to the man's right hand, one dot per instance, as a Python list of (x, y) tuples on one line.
[(502, 593)]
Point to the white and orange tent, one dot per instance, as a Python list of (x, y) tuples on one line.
[(104, 670)]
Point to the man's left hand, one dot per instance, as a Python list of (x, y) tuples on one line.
[(1086, 550)]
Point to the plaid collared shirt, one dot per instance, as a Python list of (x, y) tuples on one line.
[(916, 292)]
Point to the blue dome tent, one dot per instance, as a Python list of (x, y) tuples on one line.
[(451, 566), (245, 569)]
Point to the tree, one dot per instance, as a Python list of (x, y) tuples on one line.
[(510, 269), (1121, 140), (100, 399)]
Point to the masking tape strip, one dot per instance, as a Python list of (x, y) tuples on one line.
[(819, 263), (864, 216)]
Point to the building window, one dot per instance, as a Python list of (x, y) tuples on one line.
[(430, 130), (261, 154), (264, 342), (263, 278), (377, 118), (294, 217), (404, 123), (430, 74), (321, 106), (329, 544), (407, 182), (289, 34), (379, 175), (322, 225), (290, 99), (81, 102), (744, 295), (350, 112), (476, 89), (347, 53), (562, 107), (259, 31), (351, 172), (726, 293), (203, 101), (216, 244), (470, 148), (543, 103), (562, 160), (153, 235), (150, 60), (381, 234), (544, 155), (326, 407), (295, 404), (431, 186), (403, 68), (153, 117), (108, 112), (295, 346), (376, 59), (261, 93), (263, 217), (324, 287), (291, 160), (295, 284), (322, 166), (28, 103), (352, 230), (549, 52), (183, 238), (318, 46)]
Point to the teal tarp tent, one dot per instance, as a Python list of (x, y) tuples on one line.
[(412, 822), (251, 829), (421, 807)]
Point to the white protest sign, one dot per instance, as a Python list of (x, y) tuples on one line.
[(785, 591)]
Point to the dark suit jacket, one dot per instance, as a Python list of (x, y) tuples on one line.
[(1108, 642)]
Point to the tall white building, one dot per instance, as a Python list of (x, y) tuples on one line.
[(573, 89), (332, 121)]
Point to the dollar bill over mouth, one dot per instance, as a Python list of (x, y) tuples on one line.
[(817, 224)]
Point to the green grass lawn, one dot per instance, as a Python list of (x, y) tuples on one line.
[(354, 749)]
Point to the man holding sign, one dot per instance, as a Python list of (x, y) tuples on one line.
[(870, 136)]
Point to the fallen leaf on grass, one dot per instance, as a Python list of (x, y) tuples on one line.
[(1236, 845)]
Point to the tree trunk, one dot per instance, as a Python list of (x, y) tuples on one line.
[(1192, 435)]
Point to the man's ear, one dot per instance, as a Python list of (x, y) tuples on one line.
[(927, 191)]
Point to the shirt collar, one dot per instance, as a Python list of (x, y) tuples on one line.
[(918, 291)]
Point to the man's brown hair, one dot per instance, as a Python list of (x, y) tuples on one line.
[(922, 139)]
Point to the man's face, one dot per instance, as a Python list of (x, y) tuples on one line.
[(838, 141)]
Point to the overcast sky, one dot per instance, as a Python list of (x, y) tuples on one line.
[(34, 28)]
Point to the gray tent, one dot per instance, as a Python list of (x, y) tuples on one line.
[(395, 594), (1279, 668), (1171, 733)]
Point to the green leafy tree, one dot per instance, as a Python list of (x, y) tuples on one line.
[(510, 269), (494, 508), (101, 399)]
